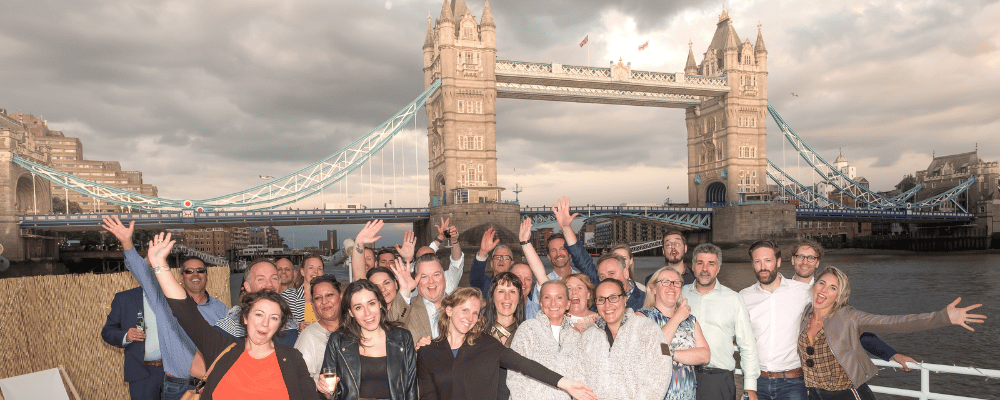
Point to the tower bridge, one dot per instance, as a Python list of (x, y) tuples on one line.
[(724, 98)]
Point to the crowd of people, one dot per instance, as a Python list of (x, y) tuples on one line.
[(403, 328)]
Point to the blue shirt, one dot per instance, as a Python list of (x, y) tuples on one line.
[(212, 310), (176, 348)]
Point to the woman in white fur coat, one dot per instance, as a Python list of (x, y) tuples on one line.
[(549, 339), (626, 357)]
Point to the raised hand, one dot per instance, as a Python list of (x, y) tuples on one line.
[(524, 234), (124, 234), (561, 210), (961, 316), (488, 243), (159, 249), (442, 228), (682, 311), (409, 246), (454, 233), (367, 234), (402, 271)]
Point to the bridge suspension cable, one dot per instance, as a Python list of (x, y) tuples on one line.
[(864, 198), (280, 192)]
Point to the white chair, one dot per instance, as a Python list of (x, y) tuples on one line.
[(46, 384)]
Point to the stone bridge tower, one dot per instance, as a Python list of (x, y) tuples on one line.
[(727, 138), (22, 192), (461, 116)]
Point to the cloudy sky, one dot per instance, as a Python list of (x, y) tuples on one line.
[(204, 96)]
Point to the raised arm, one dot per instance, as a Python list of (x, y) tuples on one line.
[(565, 220), (456, 264), (477, 275), (409, 246), (364, 238), (537, 268), (159, 249), (406, 283)]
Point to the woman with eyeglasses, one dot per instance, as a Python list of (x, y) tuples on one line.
[(834, 364), (665, 307), (462, 363), (624, 356)]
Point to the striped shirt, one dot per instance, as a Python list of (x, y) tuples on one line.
[(295, 297), (231, 323)]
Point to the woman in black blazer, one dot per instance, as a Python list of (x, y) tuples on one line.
[(374, 358), (462, 363)]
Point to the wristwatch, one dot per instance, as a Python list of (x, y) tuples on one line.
[(438, 240), (525, 242), (160, 268)]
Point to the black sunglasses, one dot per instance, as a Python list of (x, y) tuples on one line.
[(809, 351), (199, 270)]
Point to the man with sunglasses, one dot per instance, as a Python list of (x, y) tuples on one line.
[(500, 261), (194, 278)]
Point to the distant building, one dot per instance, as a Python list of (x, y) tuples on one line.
[(946, 172), (67, 156), (627, 230), (332, 244), (217, 241)]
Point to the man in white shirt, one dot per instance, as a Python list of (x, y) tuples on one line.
[(775, 305), (723, 316)]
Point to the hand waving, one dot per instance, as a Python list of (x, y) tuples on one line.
[(402, 271), (159, 249), (524, 234), (124, 234), (561, 210), (489, 242), (367, 234), (409, 245), (961, 316)]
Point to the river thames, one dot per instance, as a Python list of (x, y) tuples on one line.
[(906, 283)]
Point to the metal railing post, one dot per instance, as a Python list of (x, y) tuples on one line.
[(925, 384)]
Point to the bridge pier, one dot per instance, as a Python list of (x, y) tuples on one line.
[(744, 224)]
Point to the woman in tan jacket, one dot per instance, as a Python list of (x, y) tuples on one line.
[(834, 363)]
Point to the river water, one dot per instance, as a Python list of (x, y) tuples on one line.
[(906, 283)]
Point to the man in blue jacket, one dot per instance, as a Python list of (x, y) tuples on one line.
[(143, 364)]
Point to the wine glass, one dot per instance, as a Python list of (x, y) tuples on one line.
[(330, 376)]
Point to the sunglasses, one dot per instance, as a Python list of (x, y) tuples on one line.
[(809, 351), (199, 270)]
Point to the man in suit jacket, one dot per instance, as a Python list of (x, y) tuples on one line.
[(422, 319), (143, 367)]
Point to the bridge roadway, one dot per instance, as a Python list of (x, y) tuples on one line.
[(679, 217)]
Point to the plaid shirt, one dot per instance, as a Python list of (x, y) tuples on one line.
[(826, 372)]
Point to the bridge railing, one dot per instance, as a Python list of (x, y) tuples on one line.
[(925, 379), (530, 69), (582, 209)]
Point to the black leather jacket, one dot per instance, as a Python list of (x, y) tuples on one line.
[(401, 361)]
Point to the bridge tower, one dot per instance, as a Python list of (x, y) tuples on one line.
[(22, 192), (727, 138), (461, 116), (461, 126)]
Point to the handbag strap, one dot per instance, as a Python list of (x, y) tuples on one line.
[(209, 371)]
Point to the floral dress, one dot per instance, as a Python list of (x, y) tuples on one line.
[(682, 381)]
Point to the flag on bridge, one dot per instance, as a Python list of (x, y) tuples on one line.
[(585, 40), (643, 46)]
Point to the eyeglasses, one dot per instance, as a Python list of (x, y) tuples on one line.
[(503, 257), (614, 299), (673, 245), (809, 351), (199, 270), (667, 283), (800, 258)]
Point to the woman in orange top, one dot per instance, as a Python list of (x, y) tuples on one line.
[(256, 367)]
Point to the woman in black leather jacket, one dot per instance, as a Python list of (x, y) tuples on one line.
[(369, 345)]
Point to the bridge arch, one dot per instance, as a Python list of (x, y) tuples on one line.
[(715, 194), (31, 195)]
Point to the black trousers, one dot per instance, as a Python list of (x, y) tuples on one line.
[(861, 393), (715, 384)]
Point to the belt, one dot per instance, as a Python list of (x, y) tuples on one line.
[(710, 370), (191, 381), (154, 363), (792, 373)]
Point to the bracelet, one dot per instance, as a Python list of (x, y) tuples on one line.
[(160, 268), (525, 242), (438, 240)]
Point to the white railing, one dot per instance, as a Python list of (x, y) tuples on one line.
[(925, 379)]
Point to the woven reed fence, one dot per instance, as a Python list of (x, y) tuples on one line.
[(50, 320)]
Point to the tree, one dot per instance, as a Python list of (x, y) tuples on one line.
[(59, 206)]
